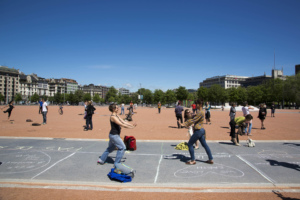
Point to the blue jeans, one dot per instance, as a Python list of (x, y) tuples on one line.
[(44, 116), (122, 111), (250, 127), (199, 135), (114, 141)]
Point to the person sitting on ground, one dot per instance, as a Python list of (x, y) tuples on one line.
[(240, 121)]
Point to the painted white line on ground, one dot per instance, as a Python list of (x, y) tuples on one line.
[(253, 167), (157, 171), (52, 165)]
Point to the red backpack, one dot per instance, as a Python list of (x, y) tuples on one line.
[(130, 143)]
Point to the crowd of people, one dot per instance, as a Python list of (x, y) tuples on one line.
[(194, 122)]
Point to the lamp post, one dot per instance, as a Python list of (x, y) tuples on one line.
[(6, 88)]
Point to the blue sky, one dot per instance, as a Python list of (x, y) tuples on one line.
[(160, 44)]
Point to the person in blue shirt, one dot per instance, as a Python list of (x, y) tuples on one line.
[(178, 114), (207, 112), (41, 106)]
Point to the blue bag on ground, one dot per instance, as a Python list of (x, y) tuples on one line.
[(118, 177)]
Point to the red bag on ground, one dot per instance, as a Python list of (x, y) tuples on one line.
[(130, 143)]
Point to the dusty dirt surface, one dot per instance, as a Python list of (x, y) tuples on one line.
[(37, 194), (151, 125)]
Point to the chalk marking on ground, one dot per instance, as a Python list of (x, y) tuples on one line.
[(257, 170), (53, 165), (161, 156)]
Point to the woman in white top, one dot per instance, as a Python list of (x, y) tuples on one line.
[(245, 110)]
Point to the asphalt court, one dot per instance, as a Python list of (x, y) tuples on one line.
[(157, 163)]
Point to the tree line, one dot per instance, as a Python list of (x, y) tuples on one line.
[(275, 90)]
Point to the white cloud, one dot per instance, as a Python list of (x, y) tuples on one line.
[(128, 85)]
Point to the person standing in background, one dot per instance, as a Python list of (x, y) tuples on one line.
[(44, 111), (178, 114), (159, 107)]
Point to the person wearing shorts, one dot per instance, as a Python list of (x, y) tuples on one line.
[(207, 113)]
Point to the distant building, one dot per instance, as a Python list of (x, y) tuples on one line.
[(258, 80), (28, 86), (297, 69), (71, 85), (56, 86), (226, 81), (123, 91), (92, 89), (9, 82), (192, 90)]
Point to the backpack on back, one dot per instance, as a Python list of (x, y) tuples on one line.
[(130, 143)]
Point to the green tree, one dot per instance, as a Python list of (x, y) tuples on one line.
[(96, 98), (232, 94), (34, 98), (148, 96), (71, 98), (18, 97), (111, 99), (112, 92), (181, 93), (170, 97), (202, 93), (87, 97), (1, 97), (214, 93), (58, 98), (78, 96), (159, 96), (242, 94), (254, 94)]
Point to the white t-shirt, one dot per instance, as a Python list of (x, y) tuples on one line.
[(245, 110), (122, 105), (45, 107)]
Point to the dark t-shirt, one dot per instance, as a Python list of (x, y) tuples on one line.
[(178, 110)]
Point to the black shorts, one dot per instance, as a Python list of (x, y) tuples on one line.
[(207, 115)]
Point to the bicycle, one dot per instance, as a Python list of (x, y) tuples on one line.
[(60, 110)]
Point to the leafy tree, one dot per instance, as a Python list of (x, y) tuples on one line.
[(71, 98), (112, 92), (111, 99), (18, 97), (202, 93), (126, 99), (134, 98), (1, 97), (181, 93), (254, 94), (58, 98), (78, 96), (232, 94), (159, 96), (214, 93), (170, 97), (34, 98), (242, 94), (87, 97), (96, 98), (148, 96)]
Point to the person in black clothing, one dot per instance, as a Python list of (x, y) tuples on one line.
[(89, 114), (115, 141), (11, 107), (262, 114), (273, 110), (178, 114)]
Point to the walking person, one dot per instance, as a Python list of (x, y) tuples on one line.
[(115, 141), (246, 111), (89, 115), (44, 111), (199, 134), (194, 108), (273, 110), (240, 121), (122, 109), (178, 114), (207, 113), (9, 110), (262, 114), (159, 107)]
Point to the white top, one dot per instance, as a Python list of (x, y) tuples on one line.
[(45, 107), (245, 110), (122, 105)]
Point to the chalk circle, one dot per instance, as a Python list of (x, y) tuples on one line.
[(35, 124), (20, 162), (204, 170), (28, 120)]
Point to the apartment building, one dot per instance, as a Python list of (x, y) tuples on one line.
[(226, 81), (9, 82)]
